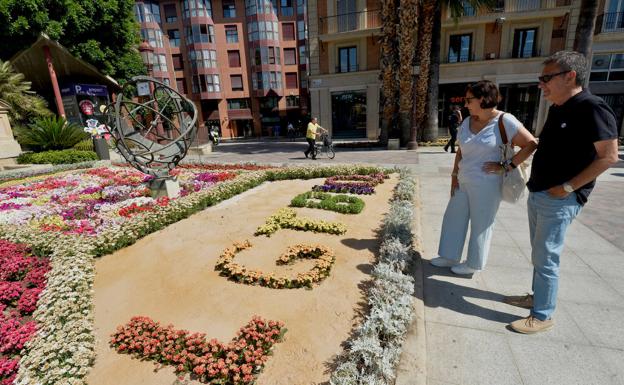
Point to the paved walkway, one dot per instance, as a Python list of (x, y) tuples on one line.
[(464, 319)]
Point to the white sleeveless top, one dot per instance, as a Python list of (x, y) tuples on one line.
[(484, 146)]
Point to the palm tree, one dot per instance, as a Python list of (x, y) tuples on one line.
[(389, 61), (584, 35), (429, 28), (14, 90), (407, 41)]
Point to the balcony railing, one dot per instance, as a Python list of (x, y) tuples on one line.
[(515, 6), (610, 22), (347, 68), (346, 22)]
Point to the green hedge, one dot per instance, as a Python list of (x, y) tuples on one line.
[(343, 204), (56, 157)]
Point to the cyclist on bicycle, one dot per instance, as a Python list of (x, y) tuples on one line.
[(311, 134)]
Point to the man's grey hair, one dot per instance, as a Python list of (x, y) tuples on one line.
[(570, 61)]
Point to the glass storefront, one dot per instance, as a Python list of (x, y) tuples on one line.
[(349, 114), (521, 100)]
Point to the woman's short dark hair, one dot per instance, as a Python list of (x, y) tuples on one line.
[(487, 90)]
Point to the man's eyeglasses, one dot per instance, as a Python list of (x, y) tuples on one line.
[(549, 77)]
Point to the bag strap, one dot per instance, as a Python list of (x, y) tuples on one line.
[(501, 128)]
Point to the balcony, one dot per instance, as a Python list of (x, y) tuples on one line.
[(347, 68), (511, 7), (350, 22), (610, 22)]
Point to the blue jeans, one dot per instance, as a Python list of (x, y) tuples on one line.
[(476, 203), (549, 218)]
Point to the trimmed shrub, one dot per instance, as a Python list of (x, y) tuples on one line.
[(57, 157), (51, 133), (343, 204), (85, 145)]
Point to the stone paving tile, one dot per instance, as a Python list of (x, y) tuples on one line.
[(461, 355), (589, 289), (614, 359), (602, 324), (544, 362)]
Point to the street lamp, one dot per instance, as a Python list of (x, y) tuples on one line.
[(147, 54)]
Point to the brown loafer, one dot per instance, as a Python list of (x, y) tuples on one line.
[(524, 301)]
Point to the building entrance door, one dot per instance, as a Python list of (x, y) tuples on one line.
[(521, 100), (349, 114)]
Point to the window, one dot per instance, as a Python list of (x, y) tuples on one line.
[(206, 83), (152, 11), (290, 56), (291, 80), (267, 80), (301, 7), (160, 62), (229, 9), (468, 9), (174, 37), (288, 31), (303, 79), (460, 48), (237, 82), (197, 8), (200, 34), (153, 36), (178, 65), (203, 58), (265, 55), (303, 56), (302, 32), (287, 7), (171, 15), (231, 34), (607, 67), (234, 59), (347, 59), (263, 30), (292, 101), (237, 104), (181, 84), (268, 102), (524, 44)]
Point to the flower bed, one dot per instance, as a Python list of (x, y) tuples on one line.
[(340, 203), (363, 180), (324, 257), (62, 351), (22, 279), (345, 188), (91, 201), (207, 361), (287, 219)]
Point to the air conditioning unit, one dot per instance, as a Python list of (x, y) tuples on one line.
[(491, 55)]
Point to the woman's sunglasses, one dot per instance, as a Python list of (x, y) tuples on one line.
[(549, 77)]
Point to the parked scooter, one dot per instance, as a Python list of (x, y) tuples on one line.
[(213, 135)]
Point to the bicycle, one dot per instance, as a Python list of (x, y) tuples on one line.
[(325, 147)]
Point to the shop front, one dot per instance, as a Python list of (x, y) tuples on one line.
[(348, 114)]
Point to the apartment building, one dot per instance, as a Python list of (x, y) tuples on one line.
[(243, 62), (344, 66), (506, 45), (607, 72)]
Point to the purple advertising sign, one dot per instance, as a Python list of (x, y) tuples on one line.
[(85, 89)]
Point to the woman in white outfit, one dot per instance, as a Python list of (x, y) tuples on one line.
[(477, 177)]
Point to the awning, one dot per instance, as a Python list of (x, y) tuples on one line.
[(244, 114), (69, 69)]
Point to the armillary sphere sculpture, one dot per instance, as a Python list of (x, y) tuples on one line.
[(153, 126)]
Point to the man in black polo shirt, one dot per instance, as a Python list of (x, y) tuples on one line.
[(578, 143)]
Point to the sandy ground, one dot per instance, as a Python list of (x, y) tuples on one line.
[(169, 276)]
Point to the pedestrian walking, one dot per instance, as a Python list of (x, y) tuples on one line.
[(311, 133), (576, 145), (455, 119)]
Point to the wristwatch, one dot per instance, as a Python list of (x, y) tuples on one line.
[(567, 187)]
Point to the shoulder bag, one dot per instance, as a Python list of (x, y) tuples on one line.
[(514, 181)]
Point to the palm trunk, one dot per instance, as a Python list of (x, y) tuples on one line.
[(407, 49), (431, 128), (584, 35), (389, 61), (425, 27)]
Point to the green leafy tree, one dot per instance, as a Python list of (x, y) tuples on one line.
[(24, 104), (101, 32)]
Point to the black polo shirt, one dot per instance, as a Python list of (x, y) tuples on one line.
[(566, 143)]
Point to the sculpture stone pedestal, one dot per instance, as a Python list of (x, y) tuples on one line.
[(165, 187), (9, 148), (393, 144)]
